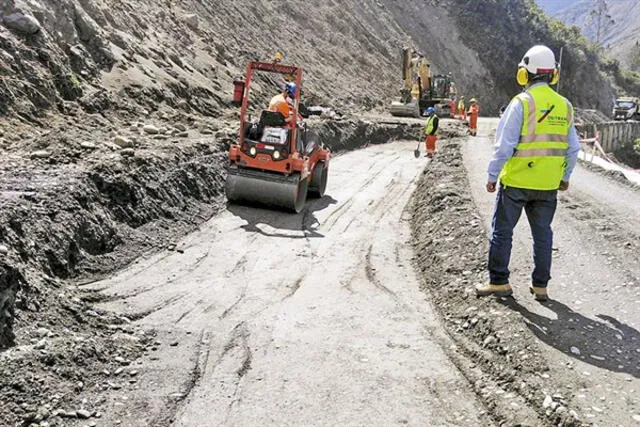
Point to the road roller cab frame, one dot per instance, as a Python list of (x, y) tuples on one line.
[(276, 163)]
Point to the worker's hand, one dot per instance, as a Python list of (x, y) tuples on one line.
[(564, 186), (491, 187)]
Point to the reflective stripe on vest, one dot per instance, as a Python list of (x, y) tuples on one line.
[(537, 152), (540, 157)]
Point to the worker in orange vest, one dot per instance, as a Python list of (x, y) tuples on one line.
[(452, 108), (283, 102), (473, 112), (462, 112)]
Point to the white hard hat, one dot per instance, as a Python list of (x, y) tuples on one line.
[(539, 60)]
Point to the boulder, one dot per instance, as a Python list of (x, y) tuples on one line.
[(191, 21), (22, 23), (123, 142)]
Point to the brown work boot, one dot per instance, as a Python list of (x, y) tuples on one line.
[(490, 289), (540, 294)]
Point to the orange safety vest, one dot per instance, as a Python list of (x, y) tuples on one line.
[(279, 103), (473, 115)]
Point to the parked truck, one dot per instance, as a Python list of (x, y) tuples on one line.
[(626, 108)]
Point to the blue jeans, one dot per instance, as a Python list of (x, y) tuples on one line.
[(540, 206)]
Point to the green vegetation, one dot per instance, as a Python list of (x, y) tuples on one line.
[(629, 154), (627, 80), (75, 80), (634, 57), (507, 28)]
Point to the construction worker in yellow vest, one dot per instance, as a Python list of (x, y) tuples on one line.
[(462, 112), (431, 131), (535, 152)]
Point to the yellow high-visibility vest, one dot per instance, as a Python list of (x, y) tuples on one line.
[(428, 128), (539, 161)]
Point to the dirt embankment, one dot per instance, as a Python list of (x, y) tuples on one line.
[(508, 367), (72, 218)]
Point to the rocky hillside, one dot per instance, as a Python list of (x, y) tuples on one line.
[(619, 38), (515, 26), (123, 55), (108, 56)]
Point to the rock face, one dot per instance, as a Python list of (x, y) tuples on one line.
[(151, 54), (501, 49), (10, 281), (21, 23)]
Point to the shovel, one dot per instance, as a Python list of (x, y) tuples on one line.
[(416, 152)]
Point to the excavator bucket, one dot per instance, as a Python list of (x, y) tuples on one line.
[(402, 109), (268, 189)]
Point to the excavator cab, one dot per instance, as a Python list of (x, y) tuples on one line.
[(440, 87)]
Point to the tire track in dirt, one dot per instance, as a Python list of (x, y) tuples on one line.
[(267, 313), (344, 207), (164, 304), (370, 272), (293, 289), (172, 405)]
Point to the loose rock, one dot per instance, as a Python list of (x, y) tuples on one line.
[(22, 23), (191, 21), (488, 340), (88, 145), (40, 154), (123, 142), (83, 414), (150, 129), (43, 332)]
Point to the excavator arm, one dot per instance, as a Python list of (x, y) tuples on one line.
[(416, 82)]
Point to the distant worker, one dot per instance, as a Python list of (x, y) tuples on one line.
[(283, 102), (452, 108), (473, 112), (453, 91), (462, 114), (430, 131), (536, 150)]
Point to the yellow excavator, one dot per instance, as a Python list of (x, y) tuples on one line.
[(420, 89)]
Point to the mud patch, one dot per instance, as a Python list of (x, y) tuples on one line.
[(501, 356)]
